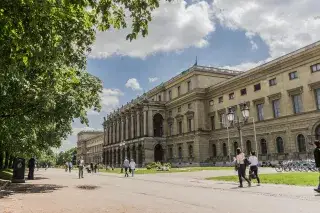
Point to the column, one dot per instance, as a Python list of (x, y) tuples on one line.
[(121, 157), (114, 132), (109, 134), (116, 163), (118, 130), (132, 125), (150, 124), (122, 129), (127, 127), (138, 124), (145, 124)]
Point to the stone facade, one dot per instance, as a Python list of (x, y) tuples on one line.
[(183, 121), (90, 146)]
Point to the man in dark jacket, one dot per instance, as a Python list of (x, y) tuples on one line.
[(316, 153), (31, 165)]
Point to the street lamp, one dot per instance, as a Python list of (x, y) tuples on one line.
[(245, 114)]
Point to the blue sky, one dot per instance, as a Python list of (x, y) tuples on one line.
[(220, 33)]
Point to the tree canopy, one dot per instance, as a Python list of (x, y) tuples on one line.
[(44, 84)]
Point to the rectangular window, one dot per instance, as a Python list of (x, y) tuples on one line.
[(180, 127), (179, 109), (257, 87), (315, 67), (297, 103), (243, 91), (189, 106), (212, 122), (170, 95), (260, 111), (170, 152), (276, 108), (222, 120), (159, 98), (293, 75), (170, 113), (273, 82), (318, 98), (231, 96), (221, 99), (189, 125), (178, 90), (189, 86)]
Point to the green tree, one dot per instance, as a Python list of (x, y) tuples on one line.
[(43, 80)]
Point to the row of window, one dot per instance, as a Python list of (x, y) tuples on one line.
[(301, 143), (179, 127), (297, 106), (179, 109), (180, 152), (272, 82), (179, 90)]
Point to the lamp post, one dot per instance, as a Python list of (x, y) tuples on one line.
[(239, 124)]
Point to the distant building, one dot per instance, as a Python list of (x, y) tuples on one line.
[(90, 146), (182, 120)]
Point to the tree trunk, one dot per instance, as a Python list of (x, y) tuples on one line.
[(11, 161), (1, 159), (6, 161)]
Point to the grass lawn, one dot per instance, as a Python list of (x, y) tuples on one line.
[(172, 170), (296, 178), (6, 174)]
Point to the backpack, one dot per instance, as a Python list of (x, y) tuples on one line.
[(247, 162)]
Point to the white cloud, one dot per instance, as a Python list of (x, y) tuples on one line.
[(175, 26), (151, 80), (133, 84), (284, 25)]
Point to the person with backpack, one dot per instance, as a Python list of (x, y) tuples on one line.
[(126, 167), (253, 170), (241, 167), (316, 153)]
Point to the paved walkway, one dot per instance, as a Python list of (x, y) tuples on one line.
[(56, 191)]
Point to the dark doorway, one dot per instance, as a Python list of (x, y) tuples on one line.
[(139, 155), (157, 125), (317, 132), (134, 154), (158, 153)]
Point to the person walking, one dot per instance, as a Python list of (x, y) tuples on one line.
[(91, 167), (253, 159), (132, 166), (316, 153), (126, 167), (81, 166), (31, 165), (70, 166), (241, 167)]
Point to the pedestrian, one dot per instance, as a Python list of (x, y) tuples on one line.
[(81, 166), (253, 170), (316, 153), (66, 166), (241, 167), (95, 168), (126, 167), (91, 167), (31, 166), (132, 167), (70, 166)]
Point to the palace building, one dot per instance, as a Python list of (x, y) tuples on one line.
[(184, 120), (90, 146)]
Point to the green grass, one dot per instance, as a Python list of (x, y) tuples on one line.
[(172, 170), (297, 178), (6, 174)]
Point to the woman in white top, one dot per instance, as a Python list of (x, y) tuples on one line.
[(254, 166), (240, 160), (132, 166)]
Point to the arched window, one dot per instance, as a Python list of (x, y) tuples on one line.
[(280, 147), (248, 146), (214, 150), (264, 147), (224, 149), (317, 133), (180, 152), (190, 149), (301, 143), (235, 147)]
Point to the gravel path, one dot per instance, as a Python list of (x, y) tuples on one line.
[(57, 191)]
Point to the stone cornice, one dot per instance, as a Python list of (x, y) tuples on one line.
[(314, 85), (262, 72), (295, 91), (259, 100), (179, 117), (189, 114), (274, 96), (195, 94)]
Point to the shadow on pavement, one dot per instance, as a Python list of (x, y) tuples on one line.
[(28, 188)]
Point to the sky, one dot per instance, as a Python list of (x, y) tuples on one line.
[(229, 34)]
